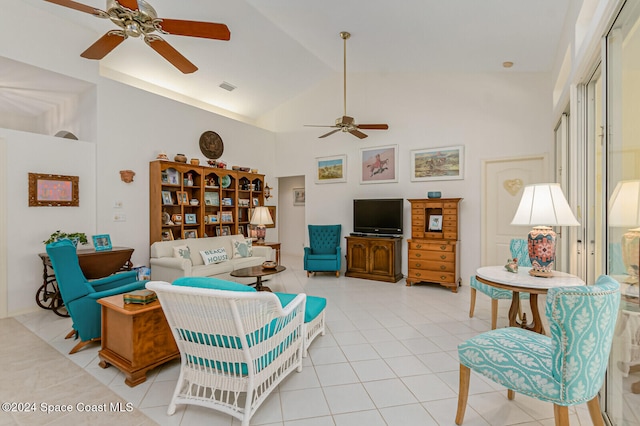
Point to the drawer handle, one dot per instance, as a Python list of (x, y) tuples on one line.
[(418, 265), (443, 267), (442, 277), (418, 245), (418, 274), (443, 247), (443, 257), (418, 255)]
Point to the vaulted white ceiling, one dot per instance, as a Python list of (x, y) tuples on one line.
[(280, 48)]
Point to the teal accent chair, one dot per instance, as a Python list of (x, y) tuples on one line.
[(323, 253), (520, 250), (80, 296), (566, 368), (236, 344)]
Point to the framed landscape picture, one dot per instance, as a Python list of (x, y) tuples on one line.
[(437, 163), (331, 169), (379, 164)]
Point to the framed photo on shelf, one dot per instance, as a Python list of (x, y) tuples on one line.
[(102, 242), (183, 197), (331, 169), (379, 164), (189, 233), (226, 217), (435, 222), (241, 230), (226, 230), (173, 176), (164, 177), (167, 200), (213, 218), (211, 199), (190, 218), (256, 202), (167, 235), (437, 164)]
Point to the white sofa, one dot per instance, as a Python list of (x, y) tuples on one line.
[(166, 267)]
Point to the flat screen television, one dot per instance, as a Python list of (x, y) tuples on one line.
[(382, 216)]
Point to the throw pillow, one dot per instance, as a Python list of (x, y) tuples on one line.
[(242, 248), (214, 256), (182, 251)]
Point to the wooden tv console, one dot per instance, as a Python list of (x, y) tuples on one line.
[(374, 258)]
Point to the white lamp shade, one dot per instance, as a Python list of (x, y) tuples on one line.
[(261, 216), (544, 204), (624, 205)]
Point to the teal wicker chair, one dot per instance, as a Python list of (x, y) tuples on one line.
[(566, 368), (519, 250), (323, 253), (80, 295)]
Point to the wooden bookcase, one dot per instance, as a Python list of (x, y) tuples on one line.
[(224, 200), (433, 247)]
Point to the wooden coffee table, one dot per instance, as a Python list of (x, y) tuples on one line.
[(257, 272), (135, 338)]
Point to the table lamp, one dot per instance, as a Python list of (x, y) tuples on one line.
[(624, 212), (543, 205), (260, 218)]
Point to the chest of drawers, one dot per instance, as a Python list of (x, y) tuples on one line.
[(433, 247)]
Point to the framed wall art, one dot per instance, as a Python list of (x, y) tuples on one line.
[(298, 196), (437, 163), (331, 169), (379, 164), (272, 212), (53, 190)]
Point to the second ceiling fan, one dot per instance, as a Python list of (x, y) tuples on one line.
[(346, 123)]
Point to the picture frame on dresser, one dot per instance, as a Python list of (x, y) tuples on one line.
[(435, 222)]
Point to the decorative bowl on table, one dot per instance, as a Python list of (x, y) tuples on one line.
[(269, 264)]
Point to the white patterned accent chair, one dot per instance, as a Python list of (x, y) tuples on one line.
[(566, 368), (519, 250)]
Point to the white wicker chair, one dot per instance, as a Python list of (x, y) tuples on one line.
[(235, 347)]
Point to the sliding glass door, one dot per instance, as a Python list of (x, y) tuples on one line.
[(622, 193)]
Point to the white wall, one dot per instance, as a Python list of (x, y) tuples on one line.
[(492, 115), (28, 226)]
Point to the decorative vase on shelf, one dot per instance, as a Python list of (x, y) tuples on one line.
[(180, 158)]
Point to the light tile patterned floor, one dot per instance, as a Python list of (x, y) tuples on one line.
[(388, 358)]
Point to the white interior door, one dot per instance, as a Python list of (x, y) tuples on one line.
[(503, 181)]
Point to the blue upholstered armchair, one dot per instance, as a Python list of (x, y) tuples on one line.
[(519, 250), (324, 251), (80, 295), (566, 368)]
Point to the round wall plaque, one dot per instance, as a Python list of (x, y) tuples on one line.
[(211, 145)]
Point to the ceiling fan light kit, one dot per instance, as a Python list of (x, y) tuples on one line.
[(137, 18), (345, 123)]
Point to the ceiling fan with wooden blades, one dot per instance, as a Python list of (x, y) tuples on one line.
[(136, 18), (346, 123)]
